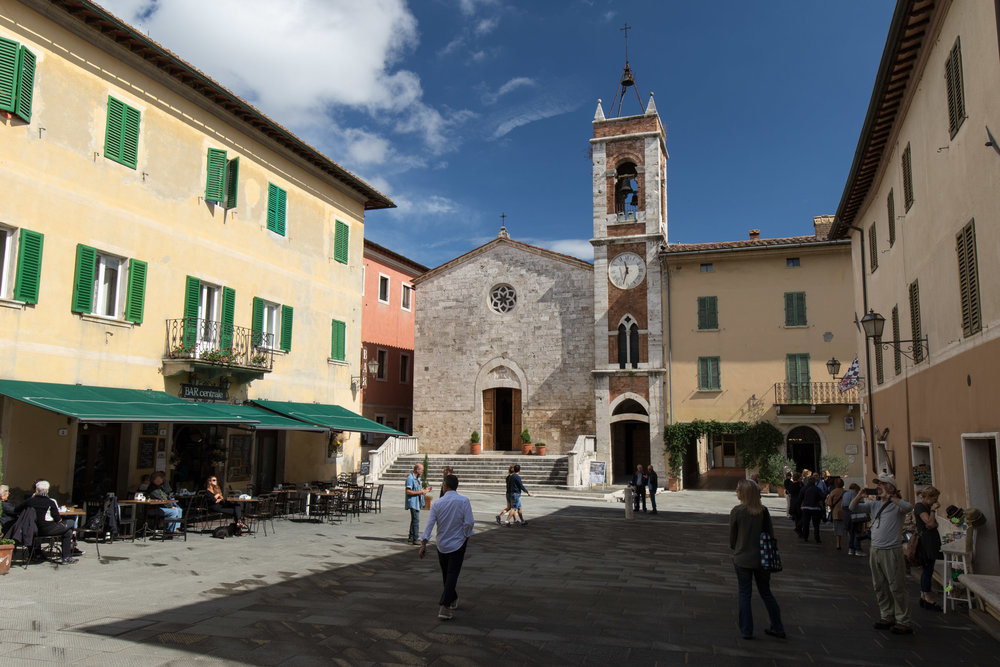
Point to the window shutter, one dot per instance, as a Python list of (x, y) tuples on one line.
[(25, 85), (228, 315), (281, 211), (789, 309), (29, 266), (968, 279), (192, 297), (338, 350), (702, 312), (708, 312), (83, 279), (341, 244), (113, 131), (232, 182), (702, 373), (716, 379), (286, 328), (800, 302), (215, 182), (276, 209), (890, 206), (795, 309), (956, 88), (907, 179), (257, 323), (8, 74), (130, 138), (872, 248), (879, 368), (136, 299), (897, 356), (916, 327)]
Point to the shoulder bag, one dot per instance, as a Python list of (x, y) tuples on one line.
[(770, 558)]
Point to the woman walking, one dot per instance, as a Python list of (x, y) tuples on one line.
[(930, 542), (746, 522)]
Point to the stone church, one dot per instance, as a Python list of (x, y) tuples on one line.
[(510, 336)]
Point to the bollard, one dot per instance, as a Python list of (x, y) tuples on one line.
[(629, 514)]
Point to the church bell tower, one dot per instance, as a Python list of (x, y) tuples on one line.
[(629, 156)]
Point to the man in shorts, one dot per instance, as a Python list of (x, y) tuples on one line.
[(515, 487)]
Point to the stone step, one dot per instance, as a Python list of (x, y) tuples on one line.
[(488, 470)]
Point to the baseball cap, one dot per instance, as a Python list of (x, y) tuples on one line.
[(886, 478)]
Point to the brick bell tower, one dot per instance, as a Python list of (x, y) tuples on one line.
[(629, 156)]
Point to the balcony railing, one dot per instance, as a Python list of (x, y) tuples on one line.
[(221, 344), (814, 393)]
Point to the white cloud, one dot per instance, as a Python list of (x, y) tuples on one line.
[(519, 117), (470, 7), (578, 248), (486, 26), (511, 85), (424, 205)]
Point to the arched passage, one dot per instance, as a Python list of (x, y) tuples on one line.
[(803, 447), (629, 436)]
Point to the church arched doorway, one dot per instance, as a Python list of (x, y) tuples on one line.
[(629, 439), (501, 419), (804, 447)]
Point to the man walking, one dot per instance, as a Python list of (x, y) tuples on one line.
[(652, 482), (414, 499), (515, 487), (639, 485), (886, 554), (452, 514)]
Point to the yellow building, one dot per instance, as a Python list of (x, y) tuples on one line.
[(920, 208), (159, 233), (750, 327)]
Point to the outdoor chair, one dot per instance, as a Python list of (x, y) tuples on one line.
[(261, 512), (352, 501)]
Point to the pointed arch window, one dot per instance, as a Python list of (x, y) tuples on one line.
[(628, 343)]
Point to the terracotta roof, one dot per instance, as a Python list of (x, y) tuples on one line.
[(677, 248), (907, 34), (475, 252), (92, 19)]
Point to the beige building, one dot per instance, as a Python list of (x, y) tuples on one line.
[(159, 233), (750, 327), (920, 208)]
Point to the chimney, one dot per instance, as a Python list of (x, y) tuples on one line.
[(754, 234)]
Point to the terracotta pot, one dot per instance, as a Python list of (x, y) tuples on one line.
[(6, 553), (540, 450), (475, 448), (674, 483), (765, 487), (781, 491), (526, 448)]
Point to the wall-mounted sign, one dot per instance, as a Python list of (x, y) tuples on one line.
[(848, 423), (851, 449), (366, 468), (150, 429), (204, 392), (598, 471)]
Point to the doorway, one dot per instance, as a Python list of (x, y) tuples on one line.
[(501, 419), (629, 448), (803, 447), (982, 476), (266, 467), (95, 471)]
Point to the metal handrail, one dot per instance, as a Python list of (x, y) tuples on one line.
[(218, 343)]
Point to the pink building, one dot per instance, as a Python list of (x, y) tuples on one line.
[(387, 336)]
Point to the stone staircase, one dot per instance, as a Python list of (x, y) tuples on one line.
[(485, 471)]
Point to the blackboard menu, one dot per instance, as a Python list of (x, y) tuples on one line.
[(147, 452), (150, 429)]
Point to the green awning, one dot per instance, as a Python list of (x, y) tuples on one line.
[(330, 416), (112, 404), (265, 420)]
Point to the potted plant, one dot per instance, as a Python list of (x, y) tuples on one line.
[(772, 471), (6, 553), (423, 484), (475, 447), (525, 442), (540, 448)]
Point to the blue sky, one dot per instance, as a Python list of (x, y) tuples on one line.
[(461, 110)]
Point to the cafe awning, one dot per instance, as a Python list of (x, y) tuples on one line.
[(113, 404), (266, 420), (330, 416)]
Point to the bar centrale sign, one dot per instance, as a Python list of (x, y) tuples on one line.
[(204, 392)]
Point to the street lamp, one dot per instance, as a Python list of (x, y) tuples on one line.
[(372, 369), (833, 366), (915, 350)]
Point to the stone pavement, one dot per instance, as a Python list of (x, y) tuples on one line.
[(578, 585)]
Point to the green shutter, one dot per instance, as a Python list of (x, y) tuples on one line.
[(968, 280), (890, 207), (257, 323), (29, 266), (8, 74), (276, 209), (281, 212), (339, 341), (708, 312), (215, 181), (83, 279), (341, 242), (121, 141), (708, 374), (25, 84), (286, 328), (232, 182), (907, 178), (795, 309), (192, 298), (872, 248), (228, 316), (136, 299), (797, 375)]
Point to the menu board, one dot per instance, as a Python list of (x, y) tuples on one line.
[(147, 453), (598, 472)]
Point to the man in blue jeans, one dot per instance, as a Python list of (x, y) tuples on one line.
[(414, 500)]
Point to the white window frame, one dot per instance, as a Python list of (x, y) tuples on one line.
[(404, 369), (388, 288), (99, 305), (209, 310), (272, 322), (382, 356), (406, 297), (8, 262)]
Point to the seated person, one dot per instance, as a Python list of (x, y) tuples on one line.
[(50, 524), (217, 502), (160, 490), (143, 485), (9, 511)]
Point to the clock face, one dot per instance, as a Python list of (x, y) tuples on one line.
[(626, 270)]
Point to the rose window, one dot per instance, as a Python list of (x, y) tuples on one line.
[(503, 298)]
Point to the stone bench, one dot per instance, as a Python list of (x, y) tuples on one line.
[(986, 587)]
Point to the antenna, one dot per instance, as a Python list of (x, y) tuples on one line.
[(627, 80)]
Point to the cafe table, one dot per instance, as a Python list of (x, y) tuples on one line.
[(148, 504)]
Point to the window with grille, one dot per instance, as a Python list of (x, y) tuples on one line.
[(968, 279), (956, 88)]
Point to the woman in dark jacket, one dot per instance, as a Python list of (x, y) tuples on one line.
[(793, 490), (746, 522), (217, 502), (930, 542)]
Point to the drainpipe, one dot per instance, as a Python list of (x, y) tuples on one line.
[(868, 361)]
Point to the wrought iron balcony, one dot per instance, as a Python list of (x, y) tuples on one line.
[(814, 393), (219, 344)]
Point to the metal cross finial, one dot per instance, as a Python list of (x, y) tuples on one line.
[(503, 218), (625, 29)]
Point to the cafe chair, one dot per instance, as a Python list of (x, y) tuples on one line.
[(262, 512)]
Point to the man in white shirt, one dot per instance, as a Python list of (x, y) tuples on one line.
[(452, 514)]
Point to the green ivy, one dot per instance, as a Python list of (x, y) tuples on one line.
[(756, 441)]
